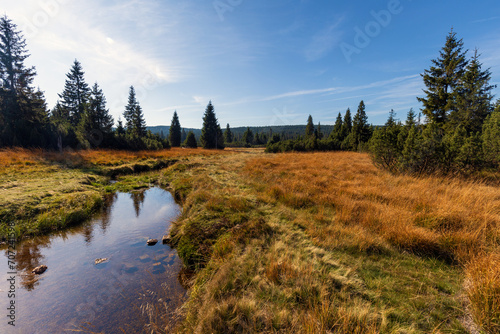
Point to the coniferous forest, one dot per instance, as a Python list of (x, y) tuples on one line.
[(457, 130)]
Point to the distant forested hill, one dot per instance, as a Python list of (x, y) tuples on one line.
[(287, 131)]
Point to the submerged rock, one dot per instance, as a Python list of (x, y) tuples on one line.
[(152, 242), (39, 270), (97, 261)]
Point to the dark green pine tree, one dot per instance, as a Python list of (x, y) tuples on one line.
[(443, 80), (190, 141), (336, 133), (96, 124), (120, 130), (23, 110), (360, 127), (411, 119), (248, 137), (347, 124), (309, 127), (474, 98), (318, 132), (130, 109), (175, 134), (76, 93), (228, 135), (100, 117), (211, 134), (139, 122), (134, 118)]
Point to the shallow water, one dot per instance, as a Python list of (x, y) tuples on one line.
[(75, 293)]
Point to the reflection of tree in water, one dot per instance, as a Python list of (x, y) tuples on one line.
[(29, 256), (106, 211), (88, 232), (138, 198)]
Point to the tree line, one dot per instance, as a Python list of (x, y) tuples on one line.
[(462, 129), (460, 133), (80, 118), (348, 134)]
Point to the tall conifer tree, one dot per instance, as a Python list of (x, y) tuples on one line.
[(443, 79), (211, 134), (76, 93), (175, 134)]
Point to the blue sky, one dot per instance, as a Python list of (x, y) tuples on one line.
[(260, 62)]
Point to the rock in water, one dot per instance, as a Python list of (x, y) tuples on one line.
[(152, 242), (39, 270), (97, 261), (166, 239)]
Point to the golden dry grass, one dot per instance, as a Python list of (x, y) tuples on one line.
[(355, 205), (446, 218)]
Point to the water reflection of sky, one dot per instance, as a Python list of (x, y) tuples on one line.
[(108, 295)]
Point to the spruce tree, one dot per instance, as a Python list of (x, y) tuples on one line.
[(120, 130), (248, 137), (175, 134), (139, 122), (443, 79), (23, 110), (101, 119), (190, 141), (211, 134), (228, 135), (491, 137), (76, 93), (309, 127), (134, 117), (347, 124), (96, 124), (318, 132), (474, 98), (336, 133), (130, 109), (360, 127)]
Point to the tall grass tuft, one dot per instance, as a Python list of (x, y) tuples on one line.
[(483, 291)]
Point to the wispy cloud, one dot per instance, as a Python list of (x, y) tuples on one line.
[(345, 89), (486, 19)]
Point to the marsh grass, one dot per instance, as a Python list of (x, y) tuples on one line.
[(325, 242), (297, 243), (44, 191)]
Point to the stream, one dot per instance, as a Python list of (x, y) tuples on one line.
[(137, 282)]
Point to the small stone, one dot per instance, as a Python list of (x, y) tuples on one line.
[(98, 261), (156, 264), (39, 270), (152, 242), (166, 239)]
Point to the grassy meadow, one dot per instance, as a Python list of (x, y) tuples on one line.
[(292, 243)]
